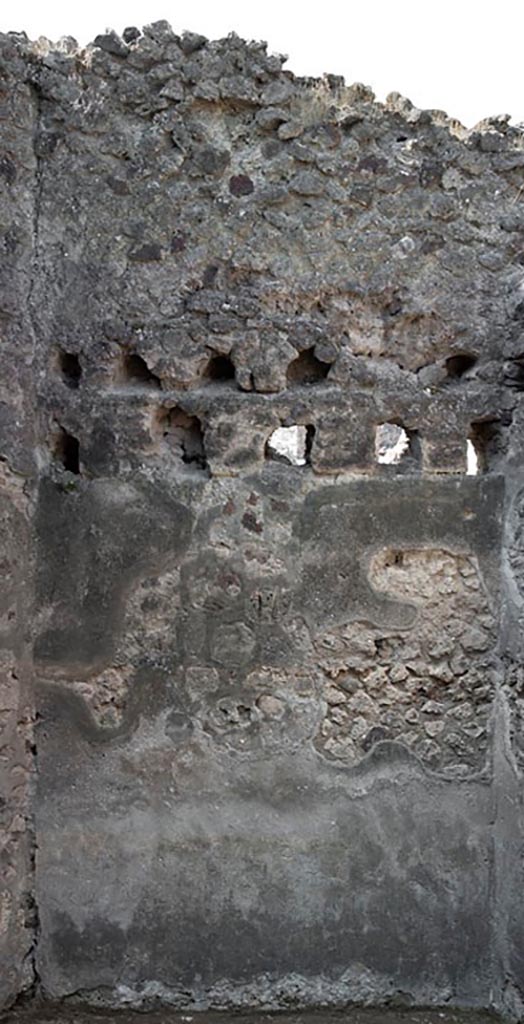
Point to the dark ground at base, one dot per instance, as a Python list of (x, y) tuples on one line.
[(74, 1014)]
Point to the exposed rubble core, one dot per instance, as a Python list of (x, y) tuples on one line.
[(429, 686), (261, 517)]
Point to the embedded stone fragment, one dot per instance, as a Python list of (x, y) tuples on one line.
[(112, 43)]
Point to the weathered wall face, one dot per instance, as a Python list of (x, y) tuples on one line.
[(18, 922), (279, 702)]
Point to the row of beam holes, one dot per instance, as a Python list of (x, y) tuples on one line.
[(392, 444), (182, 431), (306, 369), (292, 445), (287, 444), (134, 370)]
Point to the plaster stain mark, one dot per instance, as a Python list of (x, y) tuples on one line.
[(70, 368), (307, 369), (291, 445), (134, 370), (66, 450), (391, 443)]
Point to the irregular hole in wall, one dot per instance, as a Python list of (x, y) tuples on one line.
[(291, 444), (394, 558), (70, 368), (219, 369), (392, 443), (307, 369), (183, 432), (459, 365), (482, 446), (134, 370), (66, 450), (472, 459)]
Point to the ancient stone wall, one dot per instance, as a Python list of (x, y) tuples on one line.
[(18, 916), (263, 358)]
